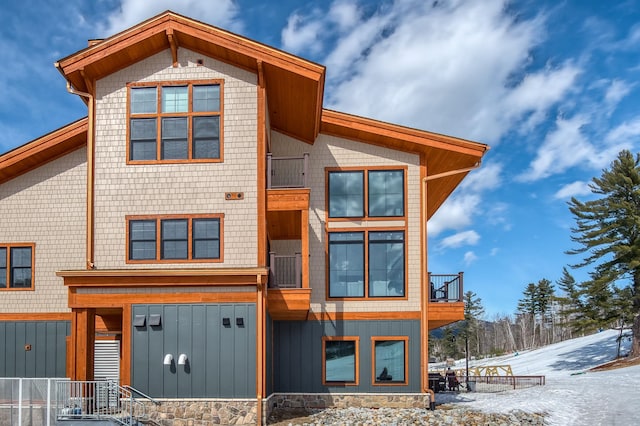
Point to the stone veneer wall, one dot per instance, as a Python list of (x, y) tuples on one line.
[(201, 412)]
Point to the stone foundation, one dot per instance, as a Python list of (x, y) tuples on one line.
[(202, 412), (326, 400)]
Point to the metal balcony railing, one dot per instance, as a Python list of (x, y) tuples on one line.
[(445, 288), (287, 172), (285, 271)]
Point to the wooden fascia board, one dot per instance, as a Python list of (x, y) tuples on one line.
[(13, 158), (177, 24), (345, 125), (164, 277)]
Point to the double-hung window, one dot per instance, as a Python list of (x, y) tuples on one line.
[(174, 239), (175, 122), (16, 266)]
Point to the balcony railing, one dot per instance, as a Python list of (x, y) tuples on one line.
[(285, 271), (287, 172), (445, 288)]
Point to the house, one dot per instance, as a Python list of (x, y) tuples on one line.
[(209, 232)]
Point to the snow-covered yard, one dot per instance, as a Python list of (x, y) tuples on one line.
[(571, 396)]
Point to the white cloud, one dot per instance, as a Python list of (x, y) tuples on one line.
[(616, 92), (573, 189), (300, 34), (455, 213), (624, 133), (469, 258), (460, 239), (222, 13), (484, 178)]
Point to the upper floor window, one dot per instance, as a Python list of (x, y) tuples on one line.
[(16, 266), (366, 193), (381, 275), (175, 122), (174, 239)]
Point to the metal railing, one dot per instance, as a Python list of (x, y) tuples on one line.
[(98, 400), (285, 271), (28, 401), (501, 383), (287, 172), (445, 288)]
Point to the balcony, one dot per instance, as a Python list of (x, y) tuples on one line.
[(287, 296), (287, 172), (446, 304)]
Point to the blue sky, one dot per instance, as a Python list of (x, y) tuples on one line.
[(551, 86)]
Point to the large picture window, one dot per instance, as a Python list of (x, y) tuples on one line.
[(390, 360), (16, 266), (383, 275), (174, 239), (382, 189), (175, 123), (340, 360)]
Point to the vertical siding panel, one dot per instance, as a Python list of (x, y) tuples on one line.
[(140, 369), (198, 353), (4, 347), (18, 339), (226, 351), (184, 329), (168, 337), (250, 348), (39, 348), (51, 336), (213, 348)]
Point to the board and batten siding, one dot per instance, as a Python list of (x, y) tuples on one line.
[(297, 347), (33, 348), (221, 359)]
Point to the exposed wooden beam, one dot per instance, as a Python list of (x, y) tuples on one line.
[(173, 44)]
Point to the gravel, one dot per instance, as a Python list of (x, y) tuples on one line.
[(443, 415)]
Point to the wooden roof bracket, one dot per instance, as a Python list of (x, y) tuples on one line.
[(173, 43), (453, 172)]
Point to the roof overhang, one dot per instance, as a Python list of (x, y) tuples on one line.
[(294, 86), (444, 155), (42, 150)]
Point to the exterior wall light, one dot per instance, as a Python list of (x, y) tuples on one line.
[(182, 359), (168, 359)]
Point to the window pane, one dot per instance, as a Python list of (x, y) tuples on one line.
[(174, 239), (389, 363), (175, 99), (340, 361), (206, 98), (206, 238), (346, 264), (144, 100), (142, 237), (346, 195), (206, 137), (386, 193), (3, 266), (20, 267), (143, 138), (386, 264), (174, 138)]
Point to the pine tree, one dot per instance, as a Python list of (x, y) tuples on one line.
[(608, 232), (473, 311), (570, 303)]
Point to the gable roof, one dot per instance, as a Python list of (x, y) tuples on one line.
[(445, 156), (294, 85), (44, 149)]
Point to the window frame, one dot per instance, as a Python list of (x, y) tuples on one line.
[(405, 340), (366, 243), (365, 190), (9, 267), (356, 340), (190, 238), (158, 115)]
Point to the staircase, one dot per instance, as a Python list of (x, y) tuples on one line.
[(98, 403)]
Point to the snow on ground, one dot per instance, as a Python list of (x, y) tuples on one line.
[(571, 396)]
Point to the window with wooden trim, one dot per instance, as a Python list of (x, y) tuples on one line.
[(174, 239), (340, 360), (376, 193), (383, 273), (16, 266), (175, 122), (389, 355)]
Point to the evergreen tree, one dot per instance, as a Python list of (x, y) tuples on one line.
[(608, 232), (473, 311), (570, 303)]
